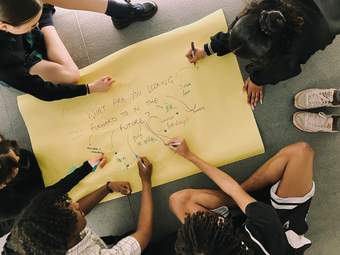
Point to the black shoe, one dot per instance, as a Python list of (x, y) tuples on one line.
[(46, 16), (139, 12)]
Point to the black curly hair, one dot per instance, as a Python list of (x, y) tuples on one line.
[(266, 28), (204, 233), (45, 226), (7, 163)]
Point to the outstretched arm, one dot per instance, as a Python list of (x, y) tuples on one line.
[(222, 179), (88, 202), (144, 229)]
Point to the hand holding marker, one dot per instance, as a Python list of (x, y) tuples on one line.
[(98, 160), (174, 144)]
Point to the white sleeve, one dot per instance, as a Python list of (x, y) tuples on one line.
[(127, 246)]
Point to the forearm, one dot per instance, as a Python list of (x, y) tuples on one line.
[(144, 228), (88, 202), (219, 45), (86, 5), (226, 183), (68, 182), (223, 180)]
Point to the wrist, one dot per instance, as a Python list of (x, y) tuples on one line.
[(146, 183), (109, 189), (91, 88), (88, 89), (190, 156)]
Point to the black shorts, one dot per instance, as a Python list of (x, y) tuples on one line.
[(292, 211), (35, 48)]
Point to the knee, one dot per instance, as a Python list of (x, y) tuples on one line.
[(303, 148), (180, 198), (300, 149)]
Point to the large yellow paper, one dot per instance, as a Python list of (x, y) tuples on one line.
[(157, 95)]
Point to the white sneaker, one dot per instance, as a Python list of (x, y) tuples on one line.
[(314, 98), (314, 122)]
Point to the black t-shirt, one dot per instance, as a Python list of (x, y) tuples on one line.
[(331, 11), (315, 35), (263, 231), (16, 60), (27, 184)]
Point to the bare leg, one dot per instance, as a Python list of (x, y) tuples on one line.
[(86, 5), (60, 68), (292, 166)]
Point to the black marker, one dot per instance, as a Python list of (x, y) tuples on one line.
[(193, 50), (175, 144)]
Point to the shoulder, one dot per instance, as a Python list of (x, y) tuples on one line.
[(90, 243)]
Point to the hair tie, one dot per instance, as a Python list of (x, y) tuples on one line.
[(271, 21)]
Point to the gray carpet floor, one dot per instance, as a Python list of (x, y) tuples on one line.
[(91, 36)]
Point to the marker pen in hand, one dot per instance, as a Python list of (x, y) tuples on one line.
[(174, 144), (141, 160), (96, 163), (193, 51)]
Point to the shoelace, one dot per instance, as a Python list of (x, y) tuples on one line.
[(325, 97), (315, 121)]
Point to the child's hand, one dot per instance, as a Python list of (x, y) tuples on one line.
[(145, 169), (101, 85), (180, 146), (254, 92), (122, 187), (199, 54), (99, 160)]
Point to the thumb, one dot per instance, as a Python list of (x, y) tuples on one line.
[(245, 86)]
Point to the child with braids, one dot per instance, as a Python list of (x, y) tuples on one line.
[(277, 37), (21, 180), (274, 201), (52, 224)]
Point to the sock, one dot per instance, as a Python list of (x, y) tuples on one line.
[(118, 10), (336, 123), (336, 97), (46, 16)]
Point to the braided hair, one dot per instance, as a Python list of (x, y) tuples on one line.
[(204, 233), (7, 163), (45, 226)]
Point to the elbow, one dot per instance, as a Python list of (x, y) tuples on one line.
[(45, 98)]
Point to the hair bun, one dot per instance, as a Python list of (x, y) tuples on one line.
[(272, 22)]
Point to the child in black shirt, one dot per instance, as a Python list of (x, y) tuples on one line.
[(275, 201), (33, 58), (21, 180), (276, 36)]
